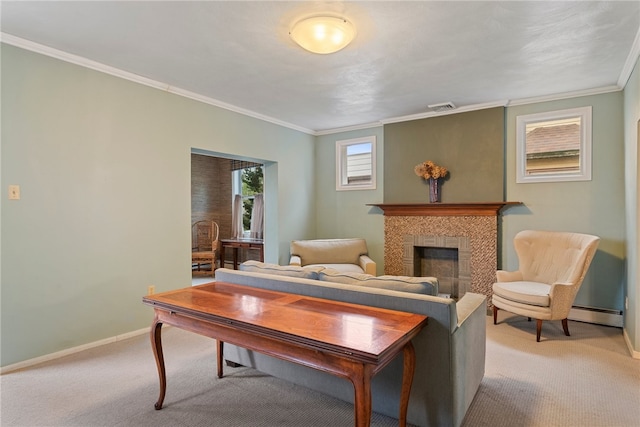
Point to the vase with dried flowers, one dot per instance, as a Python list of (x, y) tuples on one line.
[(433, 174)]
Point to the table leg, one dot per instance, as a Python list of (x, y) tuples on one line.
[(156, 344), (362, 386), (235, 258), (407, 379), (222, 257), (219, 350)]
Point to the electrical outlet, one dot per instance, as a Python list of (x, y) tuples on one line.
[(151, 290), (14, 192)]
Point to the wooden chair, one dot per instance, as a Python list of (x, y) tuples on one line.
[(204, 246)]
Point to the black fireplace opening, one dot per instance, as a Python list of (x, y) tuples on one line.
[(441, 263)]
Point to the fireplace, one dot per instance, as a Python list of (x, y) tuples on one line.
[(445, 257), (455, 242)]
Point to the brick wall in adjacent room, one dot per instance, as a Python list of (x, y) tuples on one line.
[(211, 191)]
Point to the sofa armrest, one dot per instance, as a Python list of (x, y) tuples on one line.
[(509, 276), (368, 265), (295, 260), (468, 304), (468, 352)]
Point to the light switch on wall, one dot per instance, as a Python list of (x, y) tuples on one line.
[(14, 192)]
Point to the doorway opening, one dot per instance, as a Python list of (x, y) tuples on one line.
[(218, 182)]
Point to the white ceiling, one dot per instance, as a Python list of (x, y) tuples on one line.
[(407, 54)]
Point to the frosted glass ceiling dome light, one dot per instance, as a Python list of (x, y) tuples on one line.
[(323, 34)]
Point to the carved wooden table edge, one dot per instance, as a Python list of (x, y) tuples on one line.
[(357, 368)]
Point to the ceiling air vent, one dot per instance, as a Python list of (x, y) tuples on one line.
[(445, 106)]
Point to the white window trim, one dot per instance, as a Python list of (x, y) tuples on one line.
[(341, 164), (584, 174)]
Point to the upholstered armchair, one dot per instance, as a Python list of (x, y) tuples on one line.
[(347, 255), (552, 266)]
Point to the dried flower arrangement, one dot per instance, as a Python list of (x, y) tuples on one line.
[(428, 170)]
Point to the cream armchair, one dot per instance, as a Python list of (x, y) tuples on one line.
[(552, 268), (347, 255)]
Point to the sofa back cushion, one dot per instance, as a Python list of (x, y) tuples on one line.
[(441, 311), (329, 251), (417, 285), (281, 270)]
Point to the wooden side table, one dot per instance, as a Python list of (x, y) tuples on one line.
[(236, 244)]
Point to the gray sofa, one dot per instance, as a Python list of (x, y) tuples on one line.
[(450, 350)]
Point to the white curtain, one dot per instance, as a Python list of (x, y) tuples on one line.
[(257, 217), (236, 221)]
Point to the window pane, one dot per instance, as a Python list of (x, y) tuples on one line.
[(247, 182), (553, 146), (356, 164)]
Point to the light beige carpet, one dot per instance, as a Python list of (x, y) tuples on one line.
[(584, 380)]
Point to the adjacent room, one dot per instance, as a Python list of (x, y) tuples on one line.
[(227, 211), (419, 213)]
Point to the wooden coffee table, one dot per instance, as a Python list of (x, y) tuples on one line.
[(348, 340)]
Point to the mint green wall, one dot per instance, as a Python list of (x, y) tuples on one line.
[(593, 207), (631, 183), (104, 170), (344, 213)]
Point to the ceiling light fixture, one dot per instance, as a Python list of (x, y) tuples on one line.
[(323, 34)]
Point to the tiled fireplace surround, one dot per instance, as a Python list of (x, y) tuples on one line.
[(457, 242)]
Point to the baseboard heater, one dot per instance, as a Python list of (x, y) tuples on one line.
[(600, 316)]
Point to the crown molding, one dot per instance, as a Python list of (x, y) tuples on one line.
[(348, 128), (408, 118), (463, 109), (566, 95), (79, 60), (476, 107), (97, 66), (103, 68), (629, 65)]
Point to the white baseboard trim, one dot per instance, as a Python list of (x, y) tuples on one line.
[(62, 353), (635, 354), (597, 316)]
